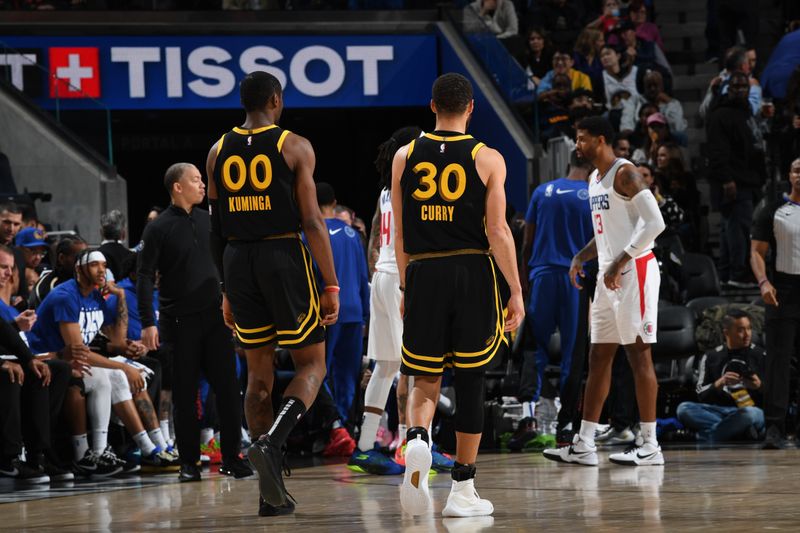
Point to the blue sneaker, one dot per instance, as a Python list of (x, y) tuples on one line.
[(441, 462), (373, 462)]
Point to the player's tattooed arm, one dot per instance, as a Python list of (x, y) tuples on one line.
[(374, 240), (629, 182), (588, 252)]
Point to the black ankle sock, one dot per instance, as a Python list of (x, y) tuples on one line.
[(412, 433), (462, 472), (291, 411)]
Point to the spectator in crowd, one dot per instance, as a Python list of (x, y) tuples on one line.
[(729, 387), (344, 340), (69, 318), (654, 94), (114, 232), (645, 30), (554, 119), (33, 405), (34, 248), (609, 19), (671, 212), (562, 65), (622, 146), (615, 76), (645, 54), (499, 15), (561, 18), (639, 135), (658, 133), (679, 184), (177, 246), (736, 60), (539, 57), (558, 224), (63, 270), (776, 229), (10, 224), (736, 172), (586, 57)]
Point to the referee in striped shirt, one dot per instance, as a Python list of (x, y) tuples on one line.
[(777, 228)]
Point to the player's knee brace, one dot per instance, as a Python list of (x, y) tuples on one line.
[(469, 401), (422, 432)]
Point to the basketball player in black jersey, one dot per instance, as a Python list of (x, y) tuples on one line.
[(261, 194), (449, 202)]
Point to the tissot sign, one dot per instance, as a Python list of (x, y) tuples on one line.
[(203, 72)]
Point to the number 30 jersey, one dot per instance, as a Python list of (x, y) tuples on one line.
[(444, 199), (387, 261), (255, 186)]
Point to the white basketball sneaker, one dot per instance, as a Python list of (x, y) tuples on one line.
[(648, 454), (414, 495), (576, 453), (464, 501)]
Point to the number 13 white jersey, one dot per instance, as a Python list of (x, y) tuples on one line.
[(387, 261), (614, 217)]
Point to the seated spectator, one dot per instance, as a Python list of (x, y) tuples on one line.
[(562, 64), (638, 136), (654, 94), (34, 248), (554, 119), (644, 54), (616, 77), (586, 57), (539, 57), (63, 270), (670, 211), (729, 387), (736, 60), (10, 225), (114, 232), (645, 30), (657, 134), (561, 18), (609, 19), (678, 182), (622, 146), (499, 15)]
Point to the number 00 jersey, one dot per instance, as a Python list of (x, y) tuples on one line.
[(444, 199), (255, 186)]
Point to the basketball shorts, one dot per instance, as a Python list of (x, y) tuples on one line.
[(453, 314), (618, 317), (385, 323), (273, 294)]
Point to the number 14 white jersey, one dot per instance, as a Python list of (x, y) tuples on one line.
[(614, 217), (387, 261)]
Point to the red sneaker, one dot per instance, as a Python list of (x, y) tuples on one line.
[(400, 454), (212, 451), (341, 444)]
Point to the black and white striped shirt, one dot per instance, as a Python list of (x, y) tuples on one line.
[(779, 225)]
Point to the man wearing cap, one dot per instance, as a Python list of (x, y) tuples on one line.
[(33, 246)]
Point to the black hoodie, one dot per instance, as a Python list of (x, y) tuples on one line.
[(732, 148)]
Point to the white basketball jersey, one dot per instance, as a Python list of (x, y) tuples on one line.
[(387, 261), (614, 217)]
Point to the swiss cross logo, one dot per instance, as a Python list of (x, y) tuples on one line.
[(74, 72)]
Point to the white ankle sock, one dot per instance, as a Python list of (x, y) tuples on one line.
[(164, 425), (157, 436), (587, 432), (401, 430), (528, 409), (80, 445), (144, 443), (99, 440), (369, 429), (206, 434), (649, 432)]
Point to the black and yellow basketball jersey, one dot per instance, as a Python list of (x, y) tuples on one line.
[(444, 199), (255, 187)]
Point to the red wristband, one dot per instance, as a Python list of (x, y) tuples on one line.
[(332, 288)]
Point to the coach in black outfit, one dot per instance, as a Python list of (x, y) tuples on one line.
[(176, 245), (777, 227)]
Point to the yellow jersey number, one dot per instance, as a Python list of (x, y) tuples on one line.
[(428, 185), (260, 173)]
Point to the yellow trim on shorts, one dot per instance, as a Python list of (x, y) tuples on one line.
[(255, 341), (282, 138), (410, 149), (422, 368), (499, 333), (475, 150), (424, 357), (313, 305), (242, 131), (254, 330)]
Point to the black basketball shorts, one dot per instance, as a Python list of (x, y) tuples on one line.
[(273, 294), (453, 314)]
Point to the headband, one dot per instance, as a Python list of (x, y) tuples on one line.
[(91, 257)]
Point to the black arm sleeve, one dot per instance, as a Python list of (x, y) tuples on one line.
[(146, 267), (13, 343), (216, 241)]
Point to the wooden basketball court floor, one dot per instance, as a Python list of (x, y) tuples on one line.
[(727, 489)]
